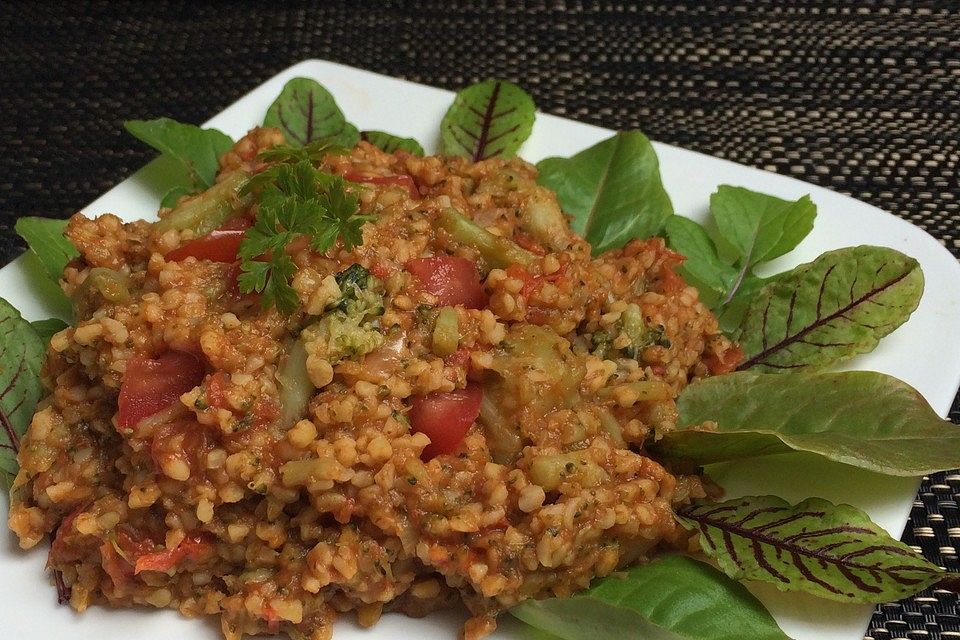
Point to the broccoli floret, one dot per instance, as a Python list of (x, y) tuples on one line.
[(640, 334), (358, 293), (349, 329)]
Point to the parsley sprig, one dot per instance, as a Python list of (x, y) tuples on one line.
[(295, 200), (315, 151)]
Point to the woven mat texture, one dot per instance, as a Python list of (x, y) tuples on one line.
[(863, 98)]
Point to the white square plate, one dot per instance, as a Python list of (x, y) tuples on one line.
[(925, 352)]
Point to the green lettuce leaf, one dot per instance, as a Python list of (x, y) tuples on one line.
[(753, 228), (390, 143), (672, 597), (45, 238), (758, 226), (860, 418), (487, 120), (703, 267), (835, 307), (21, 356), (830, 551), (195, 150), (305, 111), (46, 328), (613, 190)]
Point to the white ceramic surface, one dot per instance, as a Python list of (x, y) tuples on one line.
[(925, 352)]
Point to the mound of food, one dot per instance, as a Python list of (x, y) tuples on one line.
[(353, 381)]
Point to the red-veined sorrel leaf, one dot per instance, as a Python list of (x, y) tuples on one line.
[(831, 551), (390, 143), (861, 418), (305, 111), (21, 355), (830, 309), (672, 597), (487, 120)]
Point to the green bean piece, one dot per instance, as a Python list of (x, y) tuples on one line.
[(446, 332), (210, 209), (549, 471), (609, 423), (111, 286), (296, 389), (541, 217), (503, 436), (499, 252), (641, 391)]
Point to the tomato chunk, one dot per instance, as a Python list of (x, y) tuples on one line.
[(192, 548), (454, 281), (445, 417), (731, 358), (401, 180), (149, 386), (220, 245)]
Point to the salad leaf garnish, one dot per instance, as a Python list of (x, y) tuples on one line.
[(488, 119), (703, 267), (860, 418), (305, 111), (47, 328), (46, 240), (21, 356), (197, 151), (296, 199), (759, 227), (613, 190), (173, 195), (830, 309), (831, 551), (672, 596), (390, 143), (753, 228)]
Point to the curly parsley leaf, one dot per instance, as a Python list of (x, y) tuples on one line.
[(314, 151), (295, 200)]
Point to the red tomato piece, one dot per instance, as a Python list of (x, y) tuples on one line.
[(445, 417), (401, 180), (670, 280), (149, 386), (731, 358), (118, 569), (529, 243), (216, 385), (192, 548), (220, 245), (60, 549), (183, 440), (454, 281), (530, 284)]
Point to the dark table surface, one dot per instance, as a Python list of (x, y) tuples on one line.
[(863, 98)]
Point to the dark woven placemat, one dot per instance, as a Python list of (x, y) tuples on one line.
[(858, 97)]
